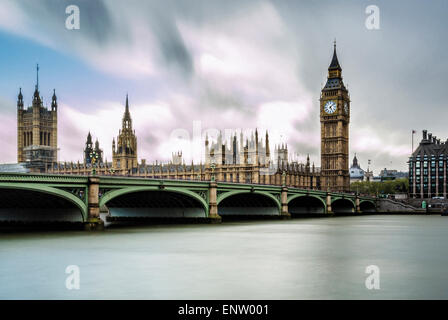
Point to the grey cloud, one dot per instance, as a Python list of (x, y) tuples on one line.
[(396, 75), (174, 51), (211, 98), (95, 19)]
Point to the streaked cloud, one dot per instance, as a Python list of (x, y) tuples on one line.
[(238, 65)]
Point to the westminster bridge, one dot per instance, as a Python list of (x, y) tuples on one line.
[(45, 198)]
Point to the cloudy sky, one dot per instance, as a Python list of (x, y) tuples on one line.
[(195, 65)]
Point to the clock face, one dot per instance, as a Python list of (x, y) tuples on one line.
[(346, 107), (330, 107)]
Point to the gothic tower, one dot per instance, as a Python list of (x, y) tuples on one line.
[(89, 149), (334, 120), (37, 131), (124, 155)]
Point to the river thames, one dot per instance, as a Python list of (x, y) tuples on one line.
[(314, 258)]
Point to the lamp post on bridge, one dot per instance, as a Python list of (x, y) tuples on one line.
[(93, 160), (284, 213), (213, 166), (213, 197)]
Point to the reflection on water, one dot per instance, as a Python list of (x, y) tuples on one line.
[(322, 258)]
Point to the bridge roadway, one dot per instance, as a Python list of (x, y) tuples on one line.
[(45, 197)]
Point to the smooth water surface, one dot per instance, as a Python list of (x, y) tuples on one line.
[(314, 258)]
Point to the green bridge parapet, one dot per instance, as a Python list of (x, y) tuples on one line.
[(90, 193)]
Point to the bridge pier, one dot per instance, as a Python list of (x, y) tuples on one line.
[(329, 211), (93, 221), (357, 203), (213, 215), (284, 214)]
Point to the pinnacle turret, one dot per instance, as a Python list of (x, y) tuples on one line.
[(127, 121)]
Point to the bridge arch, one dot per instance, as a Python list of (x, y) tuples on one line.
[(184, 198), (343, 205), (37, 189), (367, 206), (306, 204), (247, 202)]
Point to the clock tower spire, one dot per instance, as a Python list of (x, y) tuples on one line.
[(334, 120)]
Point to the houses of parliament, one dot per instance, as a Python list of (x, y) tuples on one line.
[(240, 160)]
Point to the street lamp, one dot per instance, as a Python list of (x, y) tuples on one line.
[(213, 166), (93, 160), (284, 178)]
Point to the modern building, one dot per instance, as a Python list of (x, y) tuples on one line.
[(428, 168), (356, 173), (37, 131), (335, 119)]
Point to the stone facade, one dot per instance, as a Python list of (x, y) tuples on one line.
[(335, 119), (124, 154), (37, 131), (244, 160)]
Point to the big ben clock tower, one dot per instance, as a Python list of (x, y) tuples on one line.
[(334, 126)]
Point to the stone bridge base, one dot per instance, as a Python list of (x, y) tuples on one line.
[(161, 220), (94, 224)]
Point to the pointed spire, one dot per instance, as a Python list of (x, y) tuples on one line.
[(334, 65), (268, 150), (20, 99), (54, 101), (127, 105), (355, 161), (37, 77), (36, 97), (89, 138), (127, 121)]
